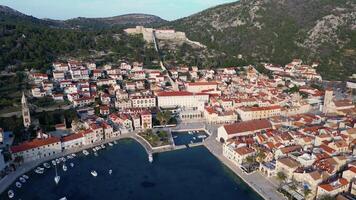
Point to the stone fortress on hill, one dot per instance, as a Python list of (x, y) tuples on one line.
[(170, 34)]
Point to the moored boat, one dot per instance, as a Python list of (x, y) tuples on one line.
[(71, 164), (115, 142), (39, 170), (10, 194), (46, 165), (85, 152), (25, 176), (103, 146), (110, 171), (22, 180), (56, 178), (63, 198), (94, 173), (18, 184), (54, 163), (64, 167), (110, 144)]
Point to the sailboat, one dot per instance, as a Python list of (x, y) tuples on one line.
[(57, 178)]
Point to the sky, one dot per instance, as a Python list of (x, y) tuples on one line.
[(66, 9)]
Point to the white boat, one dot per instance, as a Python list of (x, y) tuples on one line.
[(39, 170), (71, 164), (69, 157), (94, 173), (25, 176), (95, 154), (103, 146), (22, 180), (110, 171), (85, 152), (54, 163), (63, 159), (201, 136), (58, 161), (74, 155), (63, 198), (110, 144), (64, 167), (46, 165), (175, 136), (115, 142), (194, 138), (94, 149), (18, 184), (57, 178), (11, 194)]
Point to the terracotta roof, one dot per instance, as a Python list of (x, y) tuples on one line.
[(202, 83), (289, 162), (33, 144), (252, 125), (335, 185), (244, 150), (72, 137)]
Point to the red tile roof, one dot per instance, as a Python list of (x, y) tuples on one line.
[(252, 125), (33, 144)]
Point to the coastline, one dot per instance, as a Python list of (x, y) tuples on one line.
[(256, 181), (260, 184)]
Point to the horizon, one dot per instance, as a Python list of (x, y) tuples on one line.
[(67, 9)]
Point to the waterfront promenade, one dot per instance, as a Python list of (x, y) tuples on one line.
[(267, 188)]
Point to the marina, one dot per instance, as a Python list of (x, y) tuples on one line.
[(92, 177)]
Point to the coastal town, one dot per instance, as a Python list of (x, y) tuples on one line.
[(281, 124)]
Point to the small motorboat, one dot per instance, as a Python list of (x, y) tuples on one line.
[(57, 178), (175, 136), (39, 170), (46, 165), (115, 142), (22, 180), (110, 144), (94, 149), (64, 167), (194, 138), (85, 152), (103, 146), (54, 163), (58, 161), (11, 194), (69, 157), (110, 171), (73, 155), (95, 154), (71, 164), (25, 176), (63, 198), (18, 184), (63, 159), (94, 173)]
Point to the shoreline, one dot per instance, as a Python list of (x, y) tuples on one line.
[(210, 144), (256, 181)]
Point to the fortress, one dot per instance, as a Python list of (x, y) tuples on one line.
[(170, 34)]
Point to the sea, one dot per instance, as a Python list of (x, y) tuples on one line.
[(191, 173)]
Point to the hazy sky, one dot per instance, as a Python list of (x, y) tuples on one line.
[(65, 9)]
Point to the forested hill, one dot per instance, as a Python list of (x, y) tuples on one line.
[(280, 30)]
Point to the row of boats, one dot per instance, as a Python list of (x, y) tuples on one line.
[(55, 163)]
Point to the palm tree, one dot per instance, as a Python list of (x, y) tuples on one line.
[(260, 156), (306, 192), (164, 117), (281, 177)]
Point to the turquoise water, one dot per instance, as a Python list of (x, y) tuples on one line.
[(191, 173)]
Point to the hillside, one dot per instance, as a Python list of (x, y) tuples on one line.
[(278, 31), (117, 21), (9, 15)]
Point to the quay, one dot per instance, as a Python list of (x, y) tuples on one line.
[(265, 187)]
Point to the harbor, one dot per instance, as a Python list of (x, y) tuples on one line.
[(143, 180)]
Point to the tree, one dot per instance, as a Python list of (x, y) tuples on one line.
[(281, 177), (164, 117), (306, 192), (260, 156)]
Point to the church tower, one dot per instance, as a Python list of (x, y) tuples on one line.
[(328, 98), (25, 112)]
